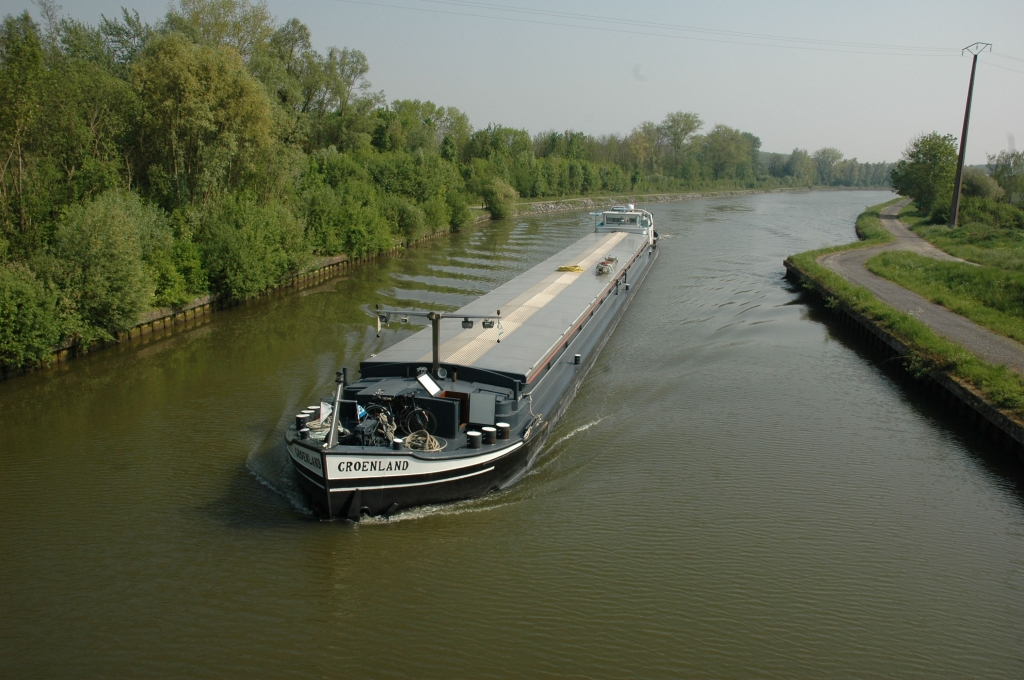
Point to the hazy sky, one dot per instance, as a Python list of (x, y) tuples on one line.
[(522, 71)]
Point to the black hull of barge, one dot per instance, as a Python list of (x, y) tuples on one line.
[(353, 499)]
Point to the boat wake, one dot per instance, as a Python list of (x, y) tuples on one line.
[(270, 465), (581, 428)]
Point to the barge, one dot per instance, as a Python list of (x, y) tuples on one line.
[(458, 410)]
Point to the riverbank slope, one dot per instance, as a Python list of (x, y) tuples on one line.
[(973, 366)]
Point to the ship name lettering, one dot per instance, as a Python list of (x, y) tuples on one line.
[(308, 459), (373, 465)]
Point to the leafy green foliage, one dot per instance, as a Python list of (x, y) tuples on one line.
[(206, 119), (499, 198), (29, 323), (248, 246), (1007, 169), (926, 171), (979, 184), (215, 151), (98, 263)]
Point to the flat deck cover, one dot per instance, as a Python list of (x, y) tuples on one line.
[(538, 308)]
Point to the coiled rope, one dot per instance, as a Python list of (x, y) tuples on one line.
[(421, 440)]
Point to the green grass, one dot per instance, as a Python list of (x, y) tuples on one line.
[(928, 351), (988, 296), (911, 217), (984, 244), (989, 246)]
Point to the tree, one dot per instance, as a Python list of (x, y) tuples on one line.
[(206, 119), (125, 39), (29, 323), (99, 265), (801, 168), (22, 77), (678, 128), (727, 154), (498, 142), (642, 144), (499, 198), (1007, 168), (926, 171), (825, 161), (242, 25)]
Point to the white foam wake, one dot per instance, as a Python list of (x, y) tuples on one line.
[(581, 428)]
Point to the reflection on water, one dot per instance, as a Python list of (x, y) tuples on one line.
[(739, 489)]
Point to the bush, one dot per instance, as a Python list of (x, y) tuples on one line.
[(991, 213), (435, 213), (408, 219), (458, 208), (499, 198), (346, 219), (29, 326), (978, 184), (248, 247), (99, 264)]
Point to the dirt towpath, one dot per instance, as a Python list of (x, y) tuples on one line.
[(993, 348)]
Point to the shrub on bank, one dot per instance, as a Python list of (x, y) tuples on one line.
[(248, 247), (29, 324), (499, 198), (407, 218), (98, 263)]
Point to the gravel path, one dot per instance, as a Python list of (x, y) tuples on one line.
[(993, 348)]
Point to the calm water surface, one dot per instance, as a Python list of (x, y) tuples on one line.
[(739, 490)]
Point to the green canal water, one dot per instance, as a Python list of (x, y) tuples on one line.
[(739, 490)]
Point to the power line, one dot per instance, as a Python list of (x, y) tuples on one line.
[(621, 31), (1005, 68), (691, 29), (1007, 56)]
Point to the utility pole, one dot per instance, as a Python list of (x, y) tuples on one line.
[(954, 209)]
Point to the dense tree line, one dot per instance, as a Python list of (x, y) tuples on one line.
[(217, 152)]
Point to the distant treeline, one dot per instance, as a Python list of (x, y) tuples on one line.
[(217, 152)]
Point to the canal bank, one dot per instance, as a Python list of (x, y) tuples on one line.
[(968, 367), (157, 323)]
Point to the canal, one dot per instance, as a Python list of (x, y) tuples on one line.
[(739, 490)]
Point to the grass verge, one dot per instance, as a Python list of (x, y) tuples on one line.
[(928, 351), (985, 244), (988, 296)]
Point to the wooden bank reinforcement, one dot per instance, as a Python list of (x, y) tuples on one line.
[(158, 323)]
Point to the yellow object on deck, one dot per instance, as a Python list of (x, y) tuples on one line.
[(570, 268)]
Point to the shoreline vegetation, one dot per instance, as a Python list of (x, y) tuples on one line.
[(161, 320), (216, 153)]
